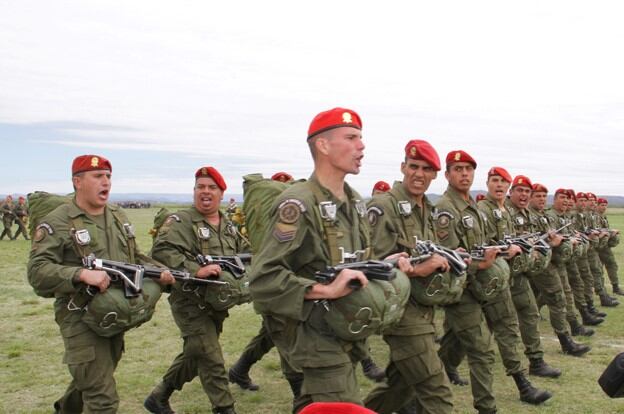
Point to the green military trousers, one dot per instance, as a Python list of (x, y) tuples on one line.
[(608, 259), (91, 360), (465, 326), (551, 294), (258, 347), (576, 283), (201, 353), (414, 371), (8, 223), (528, 316), (596, 269), (582, 264)]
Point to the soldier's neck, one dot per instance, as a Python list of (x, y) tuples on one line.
[(332, 180), (89, 208), (213, 219)]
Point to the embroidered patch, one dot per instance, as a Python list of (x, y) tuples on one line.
[(171, 219), (46, 227), (39, 235), (289, 212), (373, 215), (284, 232), (468, 221), (442, 235), (443, 219)]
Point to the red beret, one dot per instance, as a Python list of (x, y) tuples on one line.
[(500, 171), (581, 195), (212, 173), (591, 196), (90, 162), (460, 156), (335, 408), (381, 186), (571, 194), (563, 191), (602, 201), (21, 198), (539, 188), (480, 197), (522, 180), (281, 176), (334, 118), (418, 149)]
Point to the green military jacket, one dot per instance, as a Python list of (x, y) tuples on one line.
[(524, 221), (459, 223), (186, 233), (395, 220), (297, 244), (54, 258), (499, 223), (21, 210), (8, 210)]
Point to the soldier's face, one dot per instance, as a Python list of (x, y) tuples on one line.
[(207, 196), (417, 176), (560, 202), (602, 208), (519, 196), (538, 200), (343, 148), (93, 189), (460, 176), (581, 203), (497, 187)]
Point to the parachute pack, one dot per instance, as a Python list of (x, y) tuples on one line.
[(40, 204)]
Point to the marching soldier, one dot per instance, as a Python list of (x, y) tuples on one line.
[(87, 224), (201, 230), (459, 224), (8, 215), (21, 217), (606, 252), (397, 219)]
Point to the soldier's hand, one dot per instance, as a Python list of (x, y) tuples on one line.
[(554, 239), (464, 255), (208, 271), (488, 258), (433, 264), (166, 278), (396, 256), (339, 287), (513, 251), (97, 278)]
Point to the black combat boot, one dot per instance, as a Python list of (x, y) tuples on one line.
[(456, 379), (608, 301), (579, 330), (528, 393), (540, 368), (158, 401), (372, 371), (617, 290), (594, 311), (568, 346), (224, 410), (588, 318), (239, 374)]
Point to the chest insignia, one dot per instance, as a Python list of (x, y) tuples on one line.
[(520, 220), (129, 229), (327, 210), (203, 233), (468, 222), (498, 214), (405, 208), (82, 237)]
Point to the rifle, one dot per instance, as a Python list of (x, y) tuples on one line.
[(454, 258), (131, 275), (235, 264), (372, 269)]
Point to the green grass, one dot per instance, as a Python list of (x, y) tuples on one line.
[(32, 375)]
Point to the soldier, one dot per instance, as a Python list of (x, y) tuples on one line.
[(546, 279), (606, 252), (21, 217), (282, 176), (316, 223), (458, 224), (593, 256), (380, 187), (500, 313), (397, 218), (8, 215), (202, 229), (87, 224)]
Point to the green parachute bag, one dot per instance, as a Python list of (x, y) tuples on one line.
[(541, 262), (110, 312), (614, 239), (370, 310), (223, 297), (159, 220), (563, 253), (438, 289), (489, 283), (40, 204), (519, 264), (259, 193)]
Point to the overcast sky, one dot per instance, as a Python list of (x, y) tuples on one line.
[(162, 88)]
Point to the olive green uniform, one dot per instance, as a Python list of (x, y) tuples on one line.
[(574, 276), (606, 254), (21, 214), (182, 237), (593, 220), (8, 215), (299, 242), (581, 223), (415, 370), (53, 270), (521, 292), (458, 223)]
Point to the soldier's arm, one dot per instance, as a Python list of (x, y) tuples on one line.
[(384, 234), (47, 270), (172, 245)]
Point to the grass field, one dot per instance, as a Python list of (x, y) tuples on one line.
[(32, 375)]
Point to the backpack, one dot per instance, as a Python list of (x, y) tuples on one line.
[(489, 283), (159, 220), (40, 204), (259, 193)]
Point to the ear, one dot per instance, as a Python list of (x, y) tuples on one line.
[(322, 145), (446, 174), (403, 167), (76, 181)]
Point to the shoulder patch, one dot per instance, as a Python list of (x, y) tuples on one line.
[(46, 227), (284, 232), (443, 218), (373, 215), (171, 219), (290, 210)]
